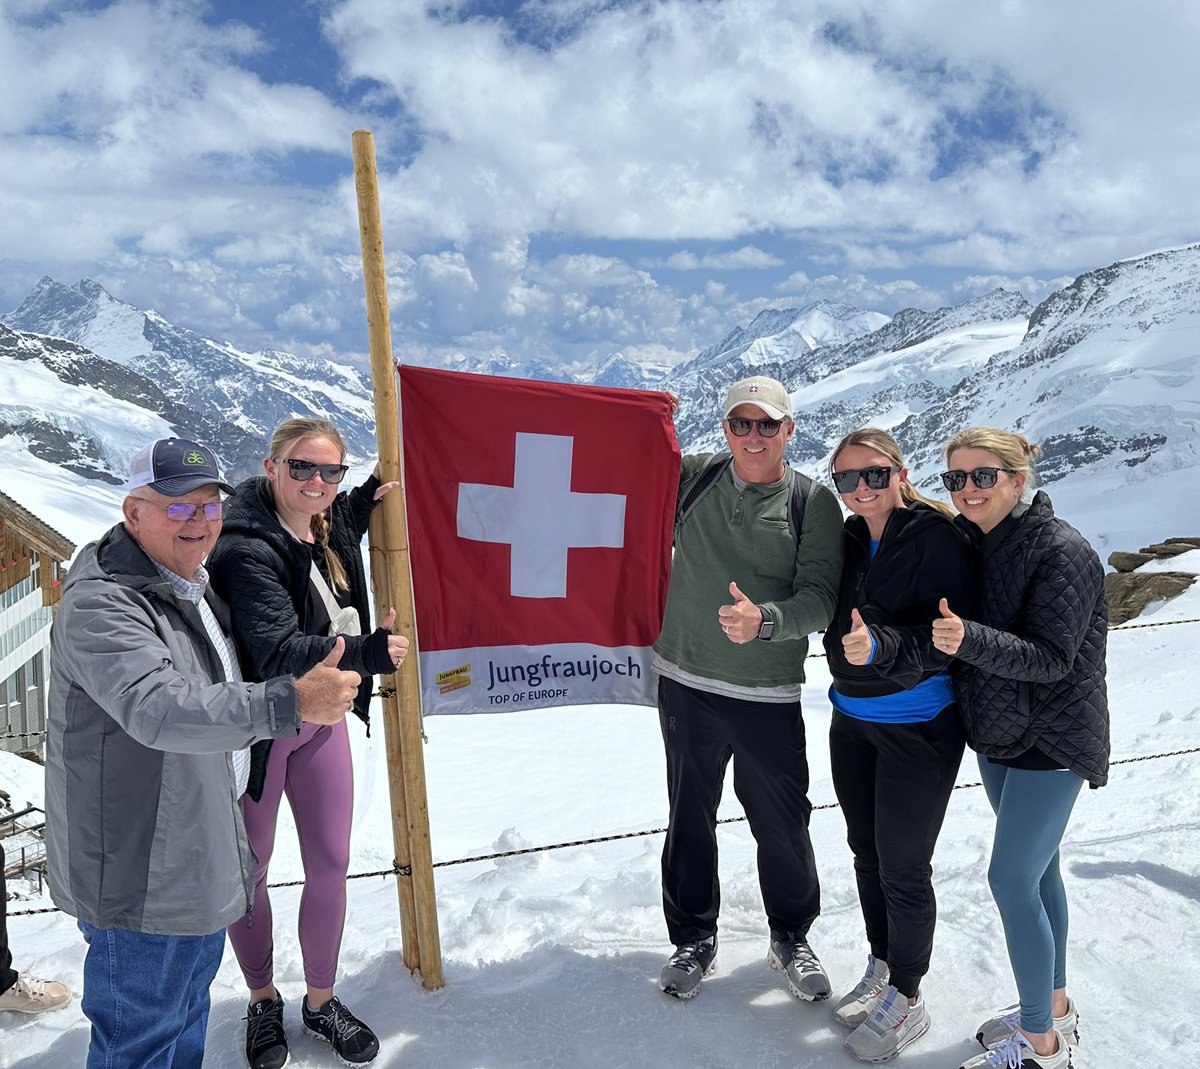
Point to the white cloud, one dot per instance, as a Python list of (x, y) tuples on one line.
[(145, 143), (860, 291), (748, 257), (796, 282)]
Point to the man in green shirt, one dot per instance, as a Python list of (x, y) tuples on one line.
[(746, 590)]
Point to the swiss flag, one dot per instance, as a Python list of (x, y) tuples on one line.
[(540, 520)]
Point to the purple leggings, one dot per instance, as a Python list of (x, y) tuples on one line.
[(314, 769)]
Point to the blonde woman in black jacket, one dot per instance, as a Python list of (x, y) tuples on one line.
[(896, 739), (290, 564), (1031, 686)]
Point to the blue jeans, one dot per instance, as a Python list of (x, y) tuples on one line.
[(147, 997), (1032, 809)]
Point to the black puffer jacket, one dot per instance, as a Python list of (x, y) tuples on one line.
[(279, 624), (922, 557), (1034, 653)]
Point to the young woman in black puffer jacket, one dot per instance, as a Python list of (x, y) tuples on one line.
[(1031, 686), (896, 738), (289, 564)]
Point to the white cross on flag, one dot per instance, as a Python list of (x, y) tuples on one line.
[(540, 519)]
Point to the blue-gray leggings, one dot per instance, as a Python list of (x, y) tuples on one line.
[(1032, 809)]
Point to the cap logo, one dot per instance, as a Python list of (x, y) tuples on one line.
[(752, 389), (194, 457)]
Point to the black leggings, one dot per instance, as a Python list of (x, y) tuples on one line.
[(894, 782)]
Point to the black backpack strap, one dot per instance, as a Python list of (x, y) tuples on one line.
[(713, 469), (802, 487)]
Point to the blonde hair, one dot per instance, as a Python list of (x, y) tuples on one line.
[(289, 434), (1014, 450), (882, 442)]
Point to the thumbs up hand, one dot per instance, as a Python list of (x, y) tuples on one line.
[(335, 653), (856, 643), (947, 630), (325, 693), (741, 620)]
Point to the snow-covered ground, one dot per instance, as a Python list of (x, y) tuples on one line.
[(551, 958)]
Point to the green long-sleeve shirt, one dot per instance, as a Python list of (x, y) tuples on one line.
[(742, 534)]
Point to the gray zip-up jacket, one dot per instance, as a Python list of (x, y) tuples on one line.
[(143, 828)]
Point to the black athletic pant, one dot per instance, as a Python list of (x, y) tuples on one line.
[(701, 732), (7, 976), (894, 782)]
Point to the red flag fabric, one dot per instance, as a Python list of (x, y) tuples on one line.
[(540, 520)]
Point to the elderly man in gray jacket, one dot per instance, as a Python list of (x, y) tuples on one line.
[(147, 728)]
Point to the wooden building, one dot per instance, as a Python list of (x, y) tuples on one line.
[(31, 569)]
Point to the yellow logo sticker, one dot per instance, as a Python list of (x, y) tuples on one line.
[(453, 679)]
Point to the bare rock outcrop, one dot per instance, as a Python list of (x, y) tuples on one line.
[(1130, 590)]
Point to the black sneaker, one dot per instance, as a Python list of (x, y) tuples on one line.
[(792, 956), (690, 964), (352, 1041), (266, 1043)]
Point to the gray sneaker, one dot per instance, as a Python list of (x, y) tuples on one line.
[(690, 964), (891, 1026), (855, 1006), (792, 956), (998, 1028)]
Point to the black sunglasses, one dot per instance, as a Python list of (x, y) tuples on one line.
[(183, 511), (303, 470), (768, 428), (983, 478), (875, 478)]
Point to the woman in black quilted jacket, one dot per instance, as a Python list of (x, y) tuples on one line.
[(289, 563), (1031, 687)]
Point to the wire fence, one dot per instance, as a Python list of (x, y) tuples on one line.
[(404, 870)]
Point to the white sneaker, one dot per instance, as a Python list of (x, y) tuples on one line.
[(891, 1027), (1015, 1052), (31, 995), (855, 1006), (1000, 1027)]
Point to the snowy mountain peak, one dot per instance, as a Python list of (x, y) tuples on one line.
[(779, 333), (202, 388), (85, 313), (1104, 374)]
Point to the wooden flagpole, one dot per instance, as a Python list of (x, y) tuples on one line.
[(391, 580)]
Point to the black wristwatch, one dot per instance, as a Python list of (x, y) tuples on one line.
[(767, 628)]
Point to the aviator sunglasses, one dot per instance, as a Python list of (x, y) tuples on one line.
[(182, 511), (303, 470), (768, 428), (983, 478), (875, 478)]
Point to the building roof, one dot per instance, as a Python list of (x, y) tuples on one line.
[(38, 535)]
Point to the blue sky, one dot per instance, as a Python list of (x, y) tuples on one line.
[(570, 179)]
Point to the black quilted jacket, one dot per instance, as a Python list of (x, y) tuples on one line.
[(1033, 657), (922, 557), (263, 573)]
